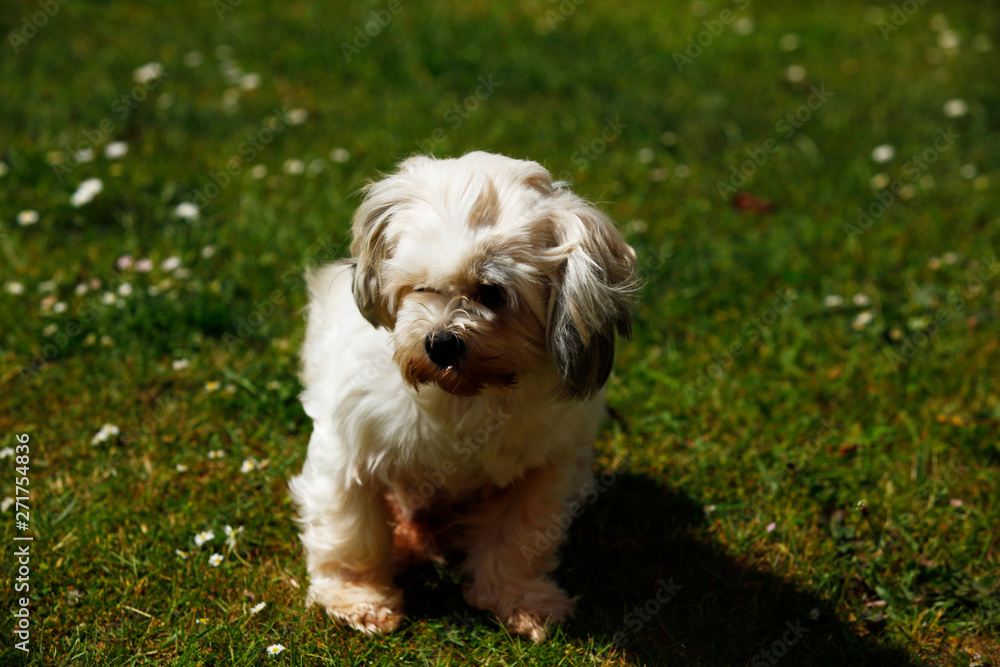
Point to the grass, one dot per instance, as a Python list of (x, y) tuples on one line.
[(801, 467)]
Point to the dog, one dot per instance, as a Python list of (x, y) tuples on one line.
[(454, 371)]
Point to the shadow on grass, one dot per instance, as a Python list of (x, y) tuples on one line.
[(641, 544), (639, 541)]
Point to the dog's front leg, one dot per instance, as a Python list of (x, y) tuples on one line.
[(512, 539), (346, 534)]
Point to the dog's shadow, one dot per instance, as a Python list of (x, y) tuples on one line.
[(652, 582)]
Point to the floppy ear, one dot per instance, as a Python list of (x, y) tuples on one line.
[(592, 294), (370, 249)]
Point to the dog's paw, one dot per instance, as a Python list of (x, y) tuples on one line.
[(528, 608), (370, 609)]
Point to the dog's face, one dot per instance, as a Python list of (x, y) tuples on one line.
[(483, 269)]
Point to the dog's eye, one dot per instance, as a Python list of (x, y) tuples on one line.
[(424, 289), (492, 296)]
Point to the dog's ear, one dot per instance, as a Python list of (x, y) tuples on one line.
[(370, 250), (593, 291)]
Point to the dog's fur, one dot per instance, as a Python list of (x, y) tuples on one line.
[(523, 287)]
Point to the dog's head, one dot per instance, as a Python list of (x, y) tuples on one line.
[(484, 269)]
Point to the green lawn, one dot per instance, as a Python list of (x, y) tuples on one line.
[(804, 461)]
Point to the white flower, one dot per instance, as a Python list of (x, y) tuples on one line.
[(144, 265), (948, 40), (84, 155), (297, 116), (115, 150), (860, 299), (208, 251), (215, 560), (47, 286), (187, 211), (257, 608), (275, 649), (645, 155), (180, 364), (124, 263), (170, 263), (248, 466), (59, 307), (814, 614), (796, 73), (6, 452), (212, 385), (294, 167), (216, 454), (108, 298), (125, 289), (14, 287), (788, 42), (86, 192), (147, 73), (955, 108), (182, 554), (340, 155), (880, 180), (259, 171), (231, 534), (883, 153), (6, 503), (27, 217), (863, 318), (743, 26), (180, 467), (107, 431), (250, 81), (770, 527), (204, 536), (833, 300), (950, 257)]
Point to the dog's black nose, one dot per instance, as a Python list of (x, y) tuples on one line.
[(444, 348)]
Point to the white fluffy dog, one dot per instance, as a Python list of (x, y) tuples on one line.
[(454, 371)]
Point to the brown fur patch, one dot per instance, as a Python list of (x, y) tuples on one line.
[(486, 210)]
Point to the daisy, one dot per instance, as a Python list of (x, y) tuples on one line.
[(180, 467), (215, 560), (89, 189), (257, 608), (147, 73), (860, 299), (259, 171), (216, 454), (180, 364), (125, 289), (84, 155), (248, 466), (340, 155), (814, 614), (297, 116), (187, 211), (796, 73), (183, 555), (203, 536), (250, 81), (14, 287), (107, 431), (115, 150), (883, 153), (171, 263), (231, 534), (27, 217), (124, 263), (212, 386), (59, 307), (275, 649), (833, 300), (955, 108), (144, 265), (863, 319), (293, 167), (208, 251), (744, 26)]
